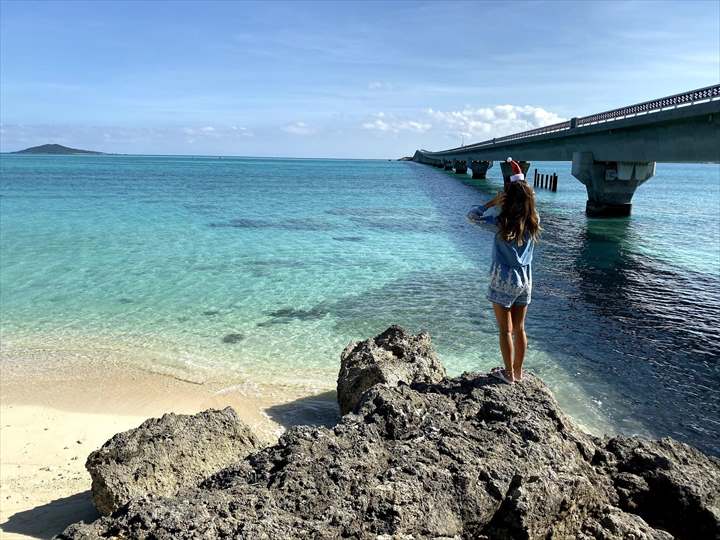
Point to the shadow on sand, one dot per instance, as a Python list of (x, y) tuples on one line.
[(318, 410), (49, 519)]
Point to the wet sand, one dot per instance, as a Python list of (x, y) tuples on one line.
[(58, 406)]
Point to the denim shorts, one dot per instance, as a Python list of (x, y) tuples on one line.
[(510, 286)]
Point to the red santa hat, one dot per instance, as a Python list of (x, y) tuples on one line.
[(517, 174)]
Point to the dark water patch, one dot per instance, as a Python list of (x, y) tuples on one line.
[(290, 314), (126, 301), (289, 224), (648, 328), (211, 312), (450, 303), (399, 224), (55, 197), (676, 309), (210, 267), (268, 267), (271, 322), (349, 238), (201, 207), (317, 312), (233, 338), (393, 211), (274, 263)]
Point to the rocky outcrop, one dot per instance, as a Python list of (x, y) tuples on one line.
[(164, 455), (468, 457), (672, 485), (392, 357)]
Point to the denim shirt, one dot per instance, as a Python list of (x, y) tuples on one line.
[(511, 263)]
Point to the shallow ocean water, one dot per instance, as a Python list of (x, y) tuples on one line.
[(265, 269)]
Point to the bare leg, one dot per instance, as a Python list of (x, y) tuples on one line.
[(517, 314), (504, 322)]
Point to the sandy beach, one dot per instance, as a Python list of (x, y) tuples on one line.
[(52, 417)]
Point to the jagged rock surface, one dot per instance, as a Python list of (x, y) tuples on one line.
[(390, 358), (164, 455), (467, 457)]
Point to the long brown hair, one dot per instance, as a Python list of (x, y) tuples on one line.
[(518, 216)]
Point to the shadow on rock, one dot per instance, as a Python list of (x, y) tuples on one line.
[(49, 519)]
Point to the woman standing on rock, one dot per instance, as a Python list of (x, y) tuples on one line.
[(518, 228)]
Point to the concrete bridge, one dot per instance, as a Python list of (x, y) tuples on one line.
[(612, 152)]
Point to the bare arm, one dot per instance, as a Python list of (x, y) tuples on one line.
[(476, 213), (497, 199)]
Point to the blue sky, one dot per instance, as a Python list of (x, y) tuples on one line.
[(326, 79)]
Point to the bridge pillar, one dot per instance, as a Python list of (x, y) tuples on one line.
[(610, 184), (448, 165), (507, 170), (460, 167), (479, 169)]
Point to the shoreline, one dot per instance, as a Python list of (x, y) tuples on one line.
[(58, 404), (52, 417), (420, 443)]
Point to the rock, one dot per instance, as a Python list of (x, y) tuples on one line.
[(467, 457), (233, 338), (614, 524), (671, 485), (392, 357), (166, 454)]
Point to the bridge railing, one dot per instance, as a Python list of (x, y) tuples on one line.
[(709, 93), (671, 102)]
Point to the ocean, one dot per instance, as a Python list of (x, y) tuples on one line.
[(263, 270)]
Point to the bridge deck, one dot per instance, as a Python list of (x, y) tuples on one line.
[(681, 128)]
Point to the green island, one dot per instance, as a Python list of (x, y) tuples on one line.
[(55, 149)]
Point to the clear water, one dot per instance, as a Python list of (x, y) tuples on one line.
[(265, 269)]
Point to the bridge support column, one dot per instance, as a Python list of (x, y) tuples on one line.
[(507, 170), (610, 184), (479, 169), (448, 166), (460, 167)]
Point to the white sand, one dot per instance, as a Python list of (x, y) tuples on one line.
[(52, 418)]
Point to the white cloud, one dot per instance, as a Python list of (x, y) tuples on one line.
[(242, 131), (480, 123), (216, 132), (493, 121), (390, 124), (379, 85), (298, 128)]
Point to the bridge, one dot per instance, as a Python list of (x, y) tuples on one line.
[(612, 152)]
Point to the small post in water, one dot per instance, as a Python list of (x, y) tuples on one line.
[(545, 181)]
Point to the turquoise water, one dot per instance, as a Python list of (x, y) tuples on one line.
[(265, 269)]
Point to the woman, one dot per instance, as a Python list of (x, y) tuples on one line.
[(510, 289)]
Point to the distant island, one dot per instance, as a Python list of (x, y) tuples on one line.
[(54, 149)]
